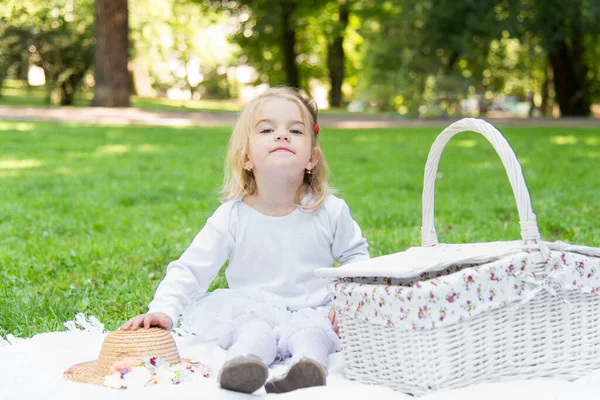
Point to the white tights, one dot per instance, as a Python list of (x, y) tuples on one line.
[(311, 343), (256, 337)]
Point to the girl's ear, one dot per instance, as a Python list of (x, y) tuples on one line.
[(248, 164), (315, 157)]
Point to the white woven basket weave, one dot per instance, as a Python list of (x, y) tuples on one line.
[(444, 316)]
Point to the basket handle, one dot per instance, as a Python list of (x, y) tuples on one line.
[(528, 221)]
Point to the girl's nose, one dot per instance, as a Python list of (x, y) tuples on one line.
[(282, 135)]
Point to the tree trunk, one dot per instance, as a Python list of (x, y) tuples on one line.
[(546, 107), (570, 76), (69, 87), (113, 87), (289, 45), (482, 103), (336, 58)]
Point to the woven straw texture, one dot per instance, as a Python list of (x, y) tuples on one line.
[(540, 339), (117, 345), (553, 332)]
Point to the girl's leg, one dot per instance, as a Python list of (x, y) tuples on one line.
[(254, 337), (310, 348), (253, 348), (313, 344)]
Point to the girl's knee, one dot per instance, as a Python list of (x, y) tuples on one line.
[(314, 337), (255, 327)]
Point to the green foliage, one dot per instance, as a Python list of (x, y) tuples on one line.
[(416, 57), (174, 41), (568, 32), (439, 51), (170, 39), (593, 60), (554, 21), (258, 29), (386, 76), (91, 215), (53, 35)]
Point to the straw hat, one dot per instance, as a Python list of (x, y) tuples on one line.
[(120, 344)]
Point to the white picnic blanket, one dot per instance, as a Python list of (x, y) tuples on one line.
[(32, 369)]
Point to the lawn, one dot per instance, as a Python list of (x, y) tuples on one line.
[(91, 215)]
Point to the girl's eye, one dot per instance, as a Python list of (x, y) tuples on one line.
[(267, 130), (296, 132)]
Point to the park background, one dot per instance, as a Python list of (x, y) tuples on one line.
[(91, 213)]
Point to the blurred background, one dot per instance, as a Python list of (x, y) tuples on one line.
[(411, 58)]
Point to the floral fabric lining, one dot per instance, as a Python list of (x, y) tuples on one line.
[(442, 298)]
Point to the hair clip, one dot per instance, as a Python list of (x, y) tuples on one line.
[(316, 129)]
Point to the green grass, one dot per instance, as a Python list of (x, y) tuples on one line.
[(91, 215)]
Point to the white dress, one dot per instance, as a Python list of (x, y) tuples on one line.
[(270, 269)]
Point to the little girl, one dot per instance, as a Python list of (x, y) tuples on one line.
[(278, 224)]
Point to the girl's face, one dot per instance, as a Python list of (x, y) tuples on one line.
[(279, 141)]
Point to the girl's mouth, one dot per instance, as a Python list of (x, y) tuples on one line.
[(281, 149)]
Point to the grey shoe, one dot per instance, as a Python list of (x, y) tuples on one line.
[(305, 373), (243, 374)]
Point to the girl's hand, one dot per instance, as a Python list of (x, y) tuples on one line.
[(147, 320), (334, 321)]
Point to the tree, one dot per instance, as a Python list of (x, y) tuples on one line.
[(52, 35), (336, 61), (594, 62), (286, 11), (113, 84), (477, 52), (395, 67), (266, 31), (448, 49), (568, 31), (292, 41)]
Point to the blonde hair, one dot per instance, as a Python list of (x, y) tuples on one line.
[(240, 182)]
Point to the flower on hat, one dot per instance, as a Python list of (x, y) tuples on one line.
[(134, 373), (113, 381), (124, 365), (137, 377)]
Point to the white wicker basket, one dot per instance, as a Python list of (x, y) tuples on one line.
[(445, 316)]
